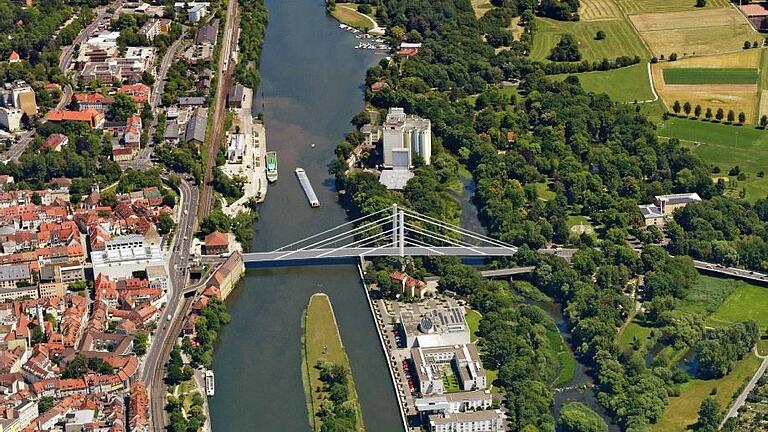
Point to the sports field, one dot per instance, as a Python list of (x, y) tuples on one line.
[(697, 32), (627, 84), (726, 146), (621, 39), (710, 76)]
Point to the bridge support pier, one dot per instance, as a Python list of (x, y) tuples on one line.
[(401, 234)]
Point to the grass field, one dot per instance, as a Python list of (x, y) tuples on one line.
[(709, 76), (566, 361), (473, 321), (682, 411), (621, 39), (631, 332), (725, 146), (346, 14), (645, 6), (746, 302), (627, 84), (544, 192), (707, 294), (596, 10), (696, 32), (322, 341)]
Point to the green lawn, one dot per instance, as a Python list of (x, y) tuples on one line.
[(450, 382), (346, 13), (682, 411), (543, 191), (725, 146), (746, 302), (634, 331), (707, 295), (627, 84), (321, 341), (566, 361), (621, 39), (710, 76), (473, 321)]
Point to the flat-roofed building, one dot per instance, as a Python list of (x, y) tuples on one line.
[(13, 274), (662, 210), (470, 421), (454, 402), (432, 365), (124, 255), (405, 137), (434, 327)]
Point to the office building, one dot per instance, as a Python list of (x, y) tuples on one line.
[(434, 327), (10, 119), (471, 421), (432, 365)]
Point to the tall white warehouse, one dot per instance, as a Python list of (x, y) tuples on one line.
[(406, 136)]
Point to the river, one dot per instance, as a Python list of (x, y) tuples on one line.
[(311, 85)]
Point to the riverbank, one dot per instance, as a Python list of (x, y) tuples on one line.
[(322, 349)]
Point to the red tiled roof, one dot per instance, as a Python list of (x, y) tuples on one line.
[(217, 239)]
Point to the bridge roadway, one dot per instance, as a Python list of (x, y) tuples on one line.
[(311, 254)]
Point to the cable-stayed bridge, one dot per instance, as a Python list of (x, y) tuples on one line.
[(394, 231)]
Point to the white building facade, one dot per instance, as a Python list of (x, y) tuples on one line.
[(405, 137)]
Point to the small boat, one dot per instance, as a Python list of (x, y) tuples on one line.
[(271, 161), (210, 385)]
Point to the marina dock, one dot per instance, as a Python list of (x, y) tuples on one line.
[(307, 186)]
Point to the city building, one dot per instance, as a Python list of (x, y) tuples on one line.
[(96, 101), (132, 132), (195, 10), (121, 256), (12, 275), (451, 403), (432, 365), (55, 142), (405, 137), (662, 210), (410, 285), (140, 93), (216, 243), (24, 97), (18, 418), (157, 277), (236, 148), (92, 117), (207, 34), (470, 421), (10, 119), (434, 327), (154, 27), (195, 130), (228, 274), (236, 96)]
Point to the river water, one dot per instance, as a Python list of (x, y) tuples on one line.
[(311, 85)]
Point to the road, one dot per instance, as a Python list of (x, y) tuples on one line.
[(165, 335), (739, 402), (223, 84)]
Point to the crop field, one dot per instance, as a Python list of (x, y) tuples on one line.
[(596, 10), (646, 6), (735, 60), (709, 76), (699, 32), (627, 84), (621, 39), (725, 146), (481, 7)]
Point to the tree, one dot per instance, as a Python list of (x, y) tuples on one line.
[(731, 116), (165, 223), (45, 404), (676, 107), (600, 35), (673, 57), (708, 114), (709, 415), (720, 114), (566, 50), (578, 417), (364, 9), (697, 111), (687, 108), (742, 117), (747, 45), (701, 3), (140, 343), (123, 107), (763, 121), (360, 119)]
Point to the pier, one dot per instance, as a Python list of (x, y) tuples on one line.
[(307, 186)]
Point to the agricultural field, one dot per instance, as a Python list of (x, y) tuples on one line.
[(674, 76), (481, 7), (621, 39), (725, 146), (646, 6), (627, 84), (682, 411), (698, 32), (597, 10)]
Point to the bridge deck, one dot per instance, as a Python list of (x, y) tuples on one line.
[(312, 254)]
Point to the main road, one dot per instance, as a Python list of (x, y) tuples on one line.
[(223, 84), (153, 368)]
